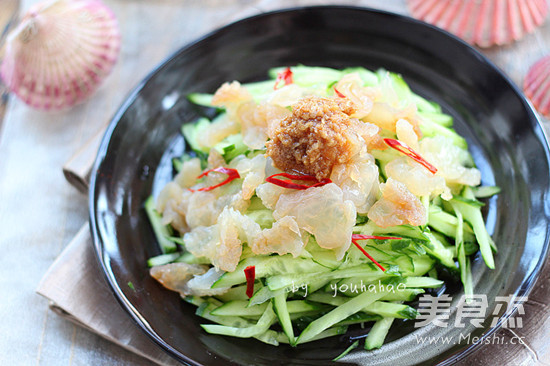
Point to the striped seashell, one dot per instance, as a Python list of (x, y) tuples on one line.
[(537, 85), (483, 23), (60, 52)]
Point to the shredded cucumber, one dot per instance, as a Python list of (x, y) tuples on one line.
[(303, 298), (348, 350), (378, 332), (282, 310), (261, 327), (472, 213), (162, 232), (341, 312)]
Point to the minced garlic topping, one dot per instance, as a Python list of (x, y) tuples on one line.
[(316, 137)]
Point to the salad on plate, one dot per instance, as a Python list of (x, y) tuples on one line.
[(314, 201)]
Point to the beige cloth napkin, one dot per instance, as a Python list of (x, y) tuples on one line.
[(68, 284)]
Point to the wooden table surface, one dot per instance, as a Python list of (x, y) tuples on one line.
[(40, 212)]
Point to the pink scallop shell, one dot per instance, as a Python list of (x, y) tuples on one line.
[(537, 85), (60, 53), (482, 22)]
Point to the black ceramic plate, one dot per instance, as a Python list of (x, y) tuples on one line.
[(504, 136)]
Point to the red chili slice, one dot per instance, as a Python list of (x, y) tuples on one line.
[(231, 175), (356, 237), (250, 273), (287, 183), (403, 148), (285, 76), (338, 93)]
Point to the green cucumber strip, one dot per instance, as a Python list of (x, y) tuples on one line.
[(312, 286), (285, 281), (205, 311), (422, 282), (424, 105), (264, 217), (444, 254), (261, 327), (239, 308), (159, 260), (353, 346), (191, 259), (432, 129), (202, 99), (446, 223), (256, 204), (162, 232), (437, 117), (463, 261), (369, 78), (237, 277), (194, 300), (381, 308), (324, 257), (408, 264), (408, 294), (379, 252), (177, 240), (238, 293), (403, 231), (383, 157), (392, 310), (400, 86), (340, 313), (472, 214), (420, 266), (177, 164), (469, 201), (260, 89), (312, 314), (231, 147), (299, 306), (281, 282), (378, 333), (443, 239), (331, 332), (242, 307), (262, 295), (325, 260), (268, 266), (327, 298), (282, 312), (470, 247), (191, 130), (485, 191), (213, 301), (359, 318), (300, 289), (310, 76), (269, 337), (299, 285)]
